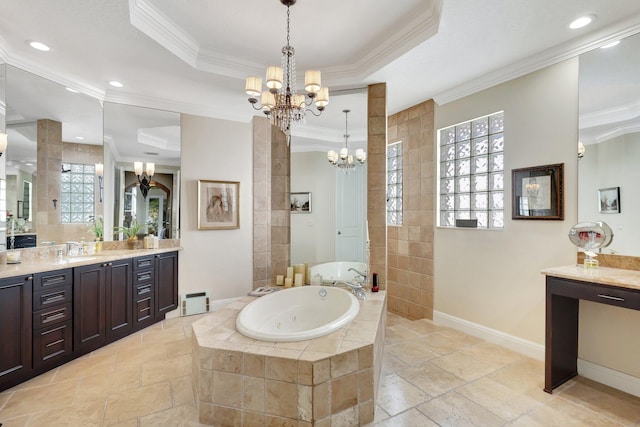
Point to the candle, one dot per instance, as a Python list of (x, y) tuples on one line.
[(279, 280), (290, 272), (307, 274), (298, 281), (299, 269), (287, 282)]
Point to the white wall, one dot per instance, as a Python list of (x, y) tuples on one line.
[(313, 235), (492, 278), (613, 163), (220, 261)]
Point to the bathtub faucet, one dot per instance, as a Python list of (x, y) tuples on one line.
[(356, 288), (364, 275)]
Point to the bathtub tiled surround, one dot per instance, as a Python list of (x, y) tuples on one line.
[(327, 381)]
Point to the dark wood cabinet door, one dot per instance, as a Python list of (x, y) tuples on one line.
[(89, 331), (166, 278), (15, 333), (119, 299)]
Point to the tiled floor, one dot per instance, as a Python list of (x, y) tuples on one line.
[(431, 376)]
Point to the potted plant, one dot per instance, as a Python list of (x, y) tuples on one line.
[(130, 232), (96, 226)]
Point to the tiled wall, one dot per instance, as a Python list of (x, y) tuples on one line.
[(410, 256), (271, 227), (376, 180), (48, 227)]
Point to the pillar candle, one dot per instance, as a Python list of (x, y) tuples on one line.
[(287, 282), (299, 269), (307, 274), (279, 280), (298, 281), (290, 272)]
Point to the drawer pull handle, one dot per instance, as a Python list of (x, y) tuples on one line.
[(610, 297), (145, 277), (54, 317), (53, 298), (53, 279), (51, 344), (144, 290)]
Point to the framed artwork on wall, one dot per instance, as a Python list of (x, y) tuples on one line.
[(218, 205), (609, 200), (300, 202), (538, 192)]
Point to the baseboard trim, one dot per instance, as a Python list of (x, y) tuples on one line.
[(519, 345), (618, 380)]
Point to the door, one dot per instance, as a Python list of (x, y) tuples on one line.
[(89, 308), (119, 299), (351, 202), (166, 278)]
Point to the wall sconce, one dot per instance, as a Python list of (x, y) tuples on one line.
[(100, 174), (144, 178), (3, 142)]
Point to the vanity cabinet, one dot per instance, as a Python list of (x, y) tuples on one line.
[(52, 318), (102, 304), (15, 330), (166, 283), (143, 292)]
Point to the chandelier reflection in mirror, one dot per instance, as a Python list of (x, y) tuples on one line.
[(281, 102), (345, 160)]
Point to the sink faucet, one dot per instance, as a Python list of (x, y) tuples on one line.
[(73, 245), (364, 275), (356, 288)]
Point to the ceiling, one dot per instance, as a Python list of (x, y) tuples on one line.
[(193, 57)]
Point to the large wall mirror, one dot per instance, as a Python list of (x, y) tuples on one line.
[(609, 129), (335, 227), (148, 197)]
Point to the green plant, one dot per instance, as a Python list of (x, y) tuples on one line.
[(130, 232), (96, 226)]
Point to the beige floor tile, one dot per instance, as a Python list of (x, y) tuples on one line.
[(431, 379), (115, 383), (411, 352), (559, 412), (16, 422), (425, 327), (604, 400), (40, 380), (453, 409), (394, 319), (89, 365), (138, 403), (391, 364), (178, 348), (163, 335), (498, 398), (412, 417), (184, 415), (83, 412), (463, 366), (182, 391), (38, 399), (395, 394), (445, 344), (493, 354), (398, 333), (153, 372), (525, 377), (138, 356), (379, 415)]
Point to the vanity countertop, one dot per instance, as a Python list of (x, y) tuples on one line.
[(42, 264), (601, 275)]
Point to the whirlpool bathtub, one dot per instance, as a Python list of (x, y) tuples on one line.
[(297, 314)]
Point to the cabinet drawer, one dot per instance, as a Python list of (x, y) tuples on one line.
[(52, 297), (52, 279), (52, 316), (611, 295), (142, 276), (51, 346), (143, 263), (142, 291)]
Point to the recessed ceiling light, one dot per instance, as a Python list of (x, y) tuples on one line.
[(612, 44), (583, 21), (40, 46), (71, 90), (115, 83), (80, 137)]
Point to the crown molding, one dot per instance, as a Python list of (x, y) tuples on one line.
[(546, 58), (621, 113), (151, 21), (610, 133)]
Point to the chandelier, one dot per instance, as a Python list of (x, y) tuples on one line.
[(282, 103), (345, 160)]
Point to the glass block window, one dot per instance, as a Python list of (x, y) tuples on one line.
[(471, 172), (394, 183), (77, 192)]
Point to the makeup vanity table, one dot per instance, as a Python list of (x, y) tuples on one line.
[(565, 287)]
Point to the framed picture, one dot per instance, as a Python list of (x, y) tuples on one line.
[(538, 192), (300, 202), (218, 205), (609, 200)]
